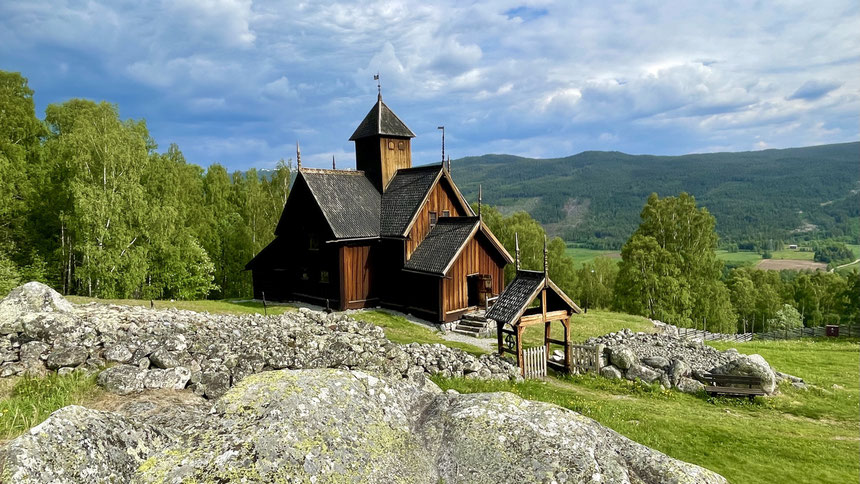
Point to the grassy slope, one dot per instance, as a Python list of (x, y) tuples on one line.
[(25, 402), (399, 330), (582, 256), (798, 436), (224, 306)]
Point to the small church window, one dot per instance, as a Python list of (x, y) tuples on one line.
[(401, 145), (433, 219), (391, 145), (305, 276), (313, 242), (324, 277), (446, 213)]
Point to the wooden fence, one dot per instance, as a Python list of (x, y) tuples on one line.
[(845, 331), (585, 358), (534, 362)]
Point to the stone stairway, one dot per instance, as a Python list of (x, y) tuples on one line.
[(474, 324)]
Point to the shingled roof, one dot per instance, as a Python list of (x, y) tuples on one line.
[(403, 197), (442, 244), (381, 120), (348, 200), (514, 300), (517, 296)]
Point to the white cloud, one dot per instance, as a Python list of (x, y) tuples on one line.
[(548, 78)]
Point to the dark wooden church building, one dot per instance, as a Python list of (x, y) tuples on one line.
[(387, 234)]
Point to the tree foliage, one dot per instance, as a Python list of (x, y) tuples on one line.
[(95, 209), (669, 270)]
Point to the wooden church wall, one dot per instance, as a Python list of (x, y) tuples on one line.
[(441, 198), (474, 259)]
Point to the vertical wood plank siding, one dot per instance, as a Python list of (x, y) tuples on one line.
[(357, 286), (393, 160), (475, 259), (441, 198)]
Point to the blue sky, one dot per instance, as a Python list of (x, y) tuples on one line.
[(239, 81)]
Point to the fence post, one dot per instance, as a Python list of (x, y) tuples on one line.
[(265, 309), (598, 355)]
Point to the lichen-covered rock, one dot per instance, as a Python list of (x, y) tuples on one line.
[(163, 358), (67, 356), (122, 379), (623, 357), (173, 378), (679, 369), (76, 444), (658, 362), (750, 365), (642, 372), (689, 385), (118, 353), (611, 372), (339, 426), (33, 297)]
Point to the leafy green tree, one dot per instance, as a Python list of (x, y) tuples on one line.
[(669, 268), (531, 237), (20, 134), (786, 318), (743, 297), (596, 283), (103, 159)]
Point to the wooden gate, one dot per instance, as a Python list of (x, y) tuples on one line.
[(585, 358), (534, 362)]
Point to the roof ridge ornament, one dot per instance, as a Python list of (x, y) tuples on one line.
[(545, 259), (333, 166), (443, 142), (298, 156), (517, 249), (480, 199), (378, 87)]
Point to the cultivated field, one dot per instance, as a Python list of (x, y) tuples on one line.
[(796, 265), (581, 256)]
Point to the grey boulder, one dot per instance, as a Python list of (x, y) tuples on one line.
[(32, 297), (750, 365), (122, 379), (69, 356), (342, 426), (611, 372), (623, 357), (642, 372)]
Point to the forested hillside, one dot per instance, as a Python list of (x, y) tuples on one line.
[(89, 205), (594, 198)]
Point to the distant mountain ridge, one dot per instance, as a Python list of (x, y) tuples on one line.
[(594, 197)]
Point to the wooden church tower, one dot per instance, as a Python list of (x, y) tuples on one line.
[(382, 145)]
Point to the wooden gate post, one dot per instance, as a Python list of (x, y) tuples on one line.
[(520, 348)]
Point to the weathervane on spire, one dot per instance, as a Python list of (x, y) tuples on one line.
[(378, 86), (298, 156), (443, 142)]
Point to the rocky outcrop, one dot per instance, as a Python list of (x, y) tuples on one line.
[(338, 426), (680, 364), (153, 349)]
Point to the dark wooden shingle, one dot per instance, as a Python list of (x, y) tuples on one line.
[(442, 244)]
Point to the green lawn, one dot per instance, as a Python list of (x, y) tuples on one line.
[(740, 258), (25, 402), (582, 256), (223, 306), (798, 436), (399, 330), (584, 326)]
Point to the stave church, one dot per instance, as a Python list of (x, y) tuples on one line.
[(385, 234)]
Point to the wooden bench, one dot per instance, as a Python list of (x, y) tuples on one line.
[(719, 385)]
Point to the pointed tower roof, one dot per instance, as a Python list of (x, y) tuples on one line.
[(381, 120)]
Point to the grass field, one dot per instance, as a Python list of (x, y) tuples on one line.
[(399, 330), (224, 306), (798, 436), (582, 256)]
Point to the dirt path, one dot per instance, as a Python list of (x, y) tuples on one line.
[(845, 265)]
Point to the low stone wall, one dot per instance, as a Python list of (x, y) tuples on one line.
[(146, 348), (677, 363)]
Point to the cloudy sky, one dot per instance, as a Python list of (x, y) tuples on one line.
[(239, 81)]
